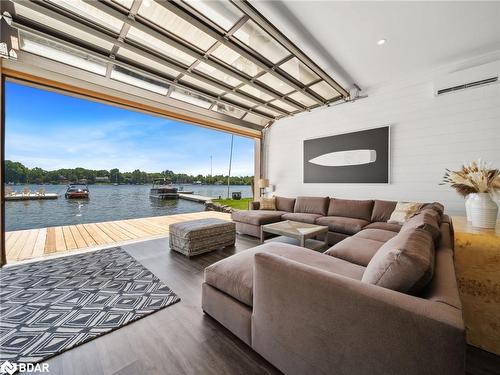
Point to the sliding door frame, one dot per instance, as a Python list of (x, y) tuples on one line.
[(67, 89)]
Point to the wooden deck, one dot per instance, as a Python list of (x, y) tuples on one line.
[(30, 197), (195, 197), (39, 243)]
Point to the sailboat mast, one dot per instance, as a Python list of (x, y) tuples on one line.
[(230, 161)]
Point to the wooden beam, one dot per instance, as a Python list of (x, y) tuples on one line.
[(91, 94)]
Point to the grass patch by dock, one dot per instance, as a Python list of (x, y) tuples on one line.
[(239, 204)]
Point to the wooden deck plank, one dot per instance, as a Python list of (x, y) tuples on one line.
[(98, 235), (68, 238), (161, 227), (77, 236), (11, 241), (27, 244), (147, 227), (21, 242), (114, 235), (50, 242), (123, 231), (27, 250), (86, 236), (39, 248), (60, 244), (141, 224), (132, 229)]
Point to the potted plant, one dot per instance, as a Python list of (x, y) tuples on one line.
[(476, 182)]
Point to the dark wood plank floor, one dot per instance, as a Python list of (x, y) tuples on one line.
[(180, 339)]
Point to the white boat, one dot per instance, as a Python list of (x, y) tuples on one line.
[(344, 158)]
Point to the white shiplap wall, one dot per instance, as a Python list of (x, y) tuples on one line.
[(428, 134)]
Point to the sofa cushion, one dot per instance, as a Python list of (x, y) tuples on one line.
[(344, 225), (385, 226), (356, 250), (303, 218), (382, 210), (381, 235), (427, 220), (311, 205), (257, 217), (234, 275), (285, 204), (267, 203), (405, 263), (350, 208)]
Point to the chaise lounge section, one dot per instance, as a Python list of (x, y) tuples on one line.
[(378, 302)]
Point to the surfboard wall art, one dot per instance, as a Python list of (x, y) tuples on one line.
[(358, 157)]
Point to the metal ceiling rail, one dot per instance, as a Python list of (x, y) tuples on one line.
[(162, 61), (188, 49), (176, 65), (123, 33), (105, 58), (181, 11), (250, 11), (190, 15)]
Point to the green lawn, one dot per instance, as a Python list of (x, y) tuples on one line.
[(239, 204)]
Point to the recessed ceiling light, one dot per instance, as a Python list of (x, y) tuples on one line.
[(381, 41)]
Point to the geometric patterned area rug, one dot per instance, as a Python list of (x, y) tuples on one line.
[(51, 306)]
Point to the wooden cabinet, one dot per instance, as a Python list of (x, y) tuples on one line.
[(477, 264)]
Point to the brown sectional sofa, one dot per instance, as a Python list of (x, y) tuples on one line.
[(344, 217), (345, 311)]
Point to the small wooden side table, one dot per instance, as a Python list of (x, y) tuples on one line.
[(477, 265)]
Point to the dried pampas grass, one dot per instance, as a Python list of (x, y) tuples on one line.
[(477, 177)]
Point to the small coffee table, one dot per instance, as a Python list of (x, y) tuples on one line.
[(294, 229)]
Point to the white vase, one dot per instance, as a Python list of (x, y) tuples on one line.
[(468, 200), (483, 211)]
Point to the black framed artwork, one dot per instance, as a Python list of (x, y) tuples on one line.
[(357, 157)]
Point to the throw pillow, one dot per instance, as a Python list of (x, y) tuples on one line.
[(268, 203), (403, 211), (405, 263)]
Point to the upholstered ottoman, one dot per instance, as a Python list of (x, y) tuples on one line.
[(200, 236)]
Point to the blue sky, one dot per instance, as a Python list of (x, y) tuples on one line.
[(53, 131)]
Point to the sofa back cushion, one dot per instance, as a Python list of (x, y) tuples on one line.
[(285, 204), (428, 220), (350, 208), (382, 210), (311, 205), (405, 263)]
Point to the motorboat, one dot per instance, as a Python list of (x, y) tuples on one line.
[(77, 191), (163, 189)]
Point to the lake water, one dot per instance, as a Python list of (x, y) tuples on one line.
[(106, 203)]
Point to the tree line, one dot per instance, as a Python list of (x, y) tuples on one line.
[(17, 173)]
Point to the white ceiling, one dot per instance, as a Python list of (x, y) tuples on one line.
[(342, 36)]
